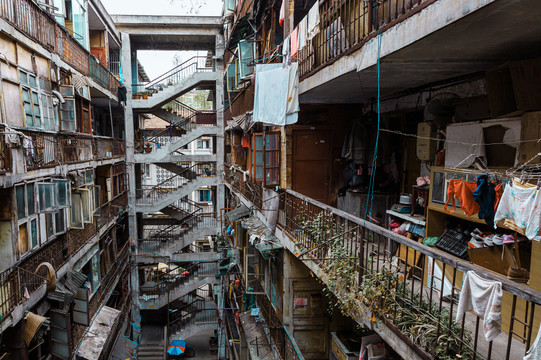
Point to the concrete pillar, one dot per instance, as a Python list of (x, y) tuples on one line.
[(130, 165), (220, 151)]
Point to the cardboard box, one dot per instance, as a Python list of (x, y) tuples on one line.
[(530, 129)]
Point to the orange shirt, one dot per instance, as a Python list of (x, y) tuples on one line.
[(462, 191)]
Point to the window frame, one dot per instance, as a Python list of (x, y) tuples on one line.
[(255, 151), (271, 161)]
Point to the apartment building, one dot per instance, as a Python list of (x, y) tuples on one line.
[(63, 182), (340, 207)]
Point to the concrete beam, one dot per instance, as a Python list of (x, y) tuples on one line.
[(163, 157), (431, 19), (184, 257), (157, 21)]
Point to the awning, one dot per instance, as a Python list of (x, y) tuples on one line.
[(240, 30), (98, 335), (261, 237), (237, 213), (241, 122)]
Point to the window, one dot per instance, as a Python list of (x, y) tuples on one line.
[(50, 116), (83, 116), (87, 202), (67, 115), (26, 218), (47, 197), (62, 193), (31, 100), (231, 76), (204, 195), (272, 159), (203, 144), (258, 158), (76, 218), (246, 59)]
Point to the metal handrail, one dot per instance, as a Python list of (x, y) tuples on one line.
[(177, 69)]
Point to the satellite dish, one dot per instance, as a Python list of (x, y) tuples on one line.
[(440, 109)]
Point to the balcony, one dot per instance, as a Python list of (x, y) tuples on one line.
[(20, 278), (346, 25), (27, 17), (387, 281), (51, 150)]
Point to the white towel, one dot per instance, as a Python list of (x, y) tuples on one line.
[(313, 21), (534, 353), (484, 297)]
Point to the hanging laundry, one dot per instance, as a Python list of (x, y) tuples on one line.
[(457, 154), (303, 26), (121, 93), (276, 98), (488, 196), (534, 352), (355, 147), (521, 205), (295, 42), (313, 21), (484, 297), (285, 50), (462, 191), (282, 13)]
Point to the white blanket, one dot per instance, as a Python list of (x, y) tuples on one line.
[(484, 297)]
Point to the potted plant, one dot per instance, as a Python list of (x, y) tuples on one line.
[(136, 96), (145, 95)]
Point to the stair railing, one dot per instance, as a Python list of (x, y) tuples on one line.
[(179, 72), (150, 194)]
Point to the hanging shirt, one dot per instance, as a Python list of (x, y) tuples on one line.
[(313, 21), (462, 191), (534, 353), (484, 297), (487, 195), (294, 42), (523, 206)]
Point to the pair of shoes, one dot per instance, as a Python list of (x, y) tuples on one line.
[(508, 239), (476, 243), (497, 239), (520, 275)]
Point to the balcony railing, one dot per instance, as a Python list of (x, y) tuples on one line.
[(384, 277), (41, 27), (51, 150), (346, 25)]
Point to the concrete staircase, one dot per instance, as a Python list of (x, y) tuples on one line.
[(178, 237), (152, 346), (198, 275), (158, 198), (202, 77)]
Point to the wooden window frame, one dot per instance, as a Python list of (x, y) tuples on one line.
[(271, 158), (255, 151)]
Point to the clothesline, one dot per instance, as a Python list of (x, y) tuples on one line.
[(458, 142)]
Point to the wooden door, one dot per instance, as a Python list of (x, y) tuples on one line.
[(312, 154)]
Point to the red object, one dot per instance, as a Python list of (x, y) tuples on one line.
[(294, 42), (245, 141), (237, 317), (462, 191)]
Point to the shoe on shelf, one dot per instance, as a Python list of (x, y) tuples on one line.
[(497, 239), (508, 239), (475, 243), (488, 240)]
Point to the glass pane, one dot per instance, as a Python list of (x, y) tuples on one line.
[(95, 271), (89, 177), (87, 206), (76, 210), (259, 142), (60, 223), (259, 158), (32, 80), (23, 77), (30, 199), (259, 172), (50, 225), (23, 239), (47, 199), (21, 213), (34, 233), (63, 199)]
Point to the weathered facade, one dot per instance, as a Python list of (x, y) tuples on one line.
[(383, 86)]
